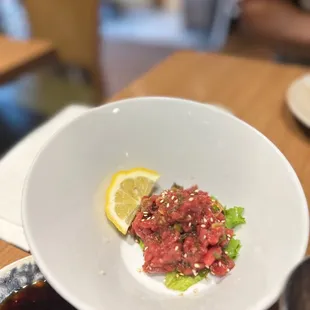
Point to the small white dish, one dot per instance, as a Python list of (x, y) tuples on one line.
[(17, 275), (298, 99), (89, 264)]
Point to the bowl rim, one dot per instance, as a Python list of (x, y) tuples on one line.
[(262, 303), (25, 260), (16, 275)]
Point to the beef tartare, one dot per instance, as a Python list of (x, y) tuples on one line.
[(186, 232)]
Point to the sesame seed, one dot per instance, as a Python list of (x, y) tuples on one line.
[(228, 235), (212, 273), (204, 237), (211, 220), (194, 272), (161, 201), (146, 248), (222, 221), (177, 275), (192, 194), (191, 199), (189, 224), (226, 252), (203, 225), (227, 269), (189, 216), (185, 255), (181, 274), (220, 264), (176, 201), (142, 220), (228, 238), (196, 265), (148, 218), (205, 220), (172, 197), (153, 217), (168, 204), (207, 266), (176, 248), (197, 191)]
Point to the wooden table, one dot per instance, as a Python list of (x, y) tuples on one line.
[(254, 90), (17, 57)]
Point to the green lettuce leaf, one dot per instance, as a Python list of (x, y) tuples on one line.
[(141, 244), (233, 248), (234, 217), (213, 198), (182, 283)]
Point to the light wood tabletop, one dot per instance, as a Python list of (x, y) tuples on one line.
[(254, 90), (18, 56)]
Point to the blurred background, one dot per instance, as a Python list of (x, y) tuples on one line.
[(95, 48)]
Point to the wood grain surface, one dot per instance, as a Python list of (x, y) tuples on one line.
[(17, 56), (253, 89)]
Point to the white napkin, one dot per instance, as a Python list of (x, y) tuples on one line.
[(13, 170)]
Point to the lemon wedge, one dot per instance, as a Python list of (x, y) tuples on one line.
[(124, 195)]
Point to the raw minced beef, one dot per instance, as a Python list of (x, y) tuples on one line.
[(183, 230)]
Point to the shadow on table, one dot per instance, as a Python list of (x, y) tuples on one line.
[(291, 120), (303, 128), (15, 123), (275, 307)]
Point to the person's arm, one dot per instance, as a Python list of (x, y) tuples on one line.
[(279, 23)]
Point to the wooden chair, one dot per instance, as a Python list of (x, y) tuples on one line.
[(73, 28), (18, 57)]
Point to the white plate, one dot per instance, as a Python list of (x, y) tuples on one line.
[(298, 99)]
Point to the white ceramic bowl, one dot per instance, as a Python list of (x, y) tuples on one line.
[(93, 267)]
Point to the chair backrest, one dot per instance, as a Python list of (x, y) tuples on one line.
[(71, 25)]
